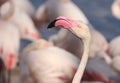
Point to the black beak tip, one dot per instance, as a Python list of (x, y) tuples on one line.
[(51, 25)]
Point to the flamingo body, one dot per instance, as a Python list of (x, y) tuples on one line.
[(53, 63), (21, 19), (54, 8), (9, 44), (114, 48)]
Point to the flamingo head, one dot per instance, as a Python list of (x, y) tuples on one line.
[(78, 28)]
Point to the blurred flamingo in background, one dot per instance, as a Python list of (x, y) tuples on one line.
[(66, 40), (14, 14), (44, 61), (30, 73), (98, 45), (114, 49), (114, 52), (9, 46), (51, 9), (116, 9)]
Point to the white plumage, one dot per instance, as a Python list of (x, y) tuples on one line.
[(114, 52), (116, 63), (21, 19), (51, 64), (54, 64), (68, 41), (54, 8), (25, 5), (9, 43), (114, 49)]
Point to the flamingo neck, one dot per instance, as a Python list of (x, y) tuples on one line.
[(78, 75)]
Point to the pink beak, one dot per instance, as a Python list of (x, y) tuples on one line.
[(65, 22)]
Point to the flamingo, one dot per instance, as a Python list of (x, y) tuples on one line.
[(114, 47), (82, 32), (47, 12), (42, 60), (9, 46), (15, 15), (114, 52), (116, 9)]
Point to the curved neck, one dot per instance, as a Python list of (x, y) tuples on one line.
[(80, 71)]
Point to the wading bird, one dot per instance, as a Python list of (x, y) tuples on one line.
[(81, 31)]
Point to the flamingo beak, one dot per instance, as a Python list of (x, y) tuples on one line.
[(64, 22), (52, 24)]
